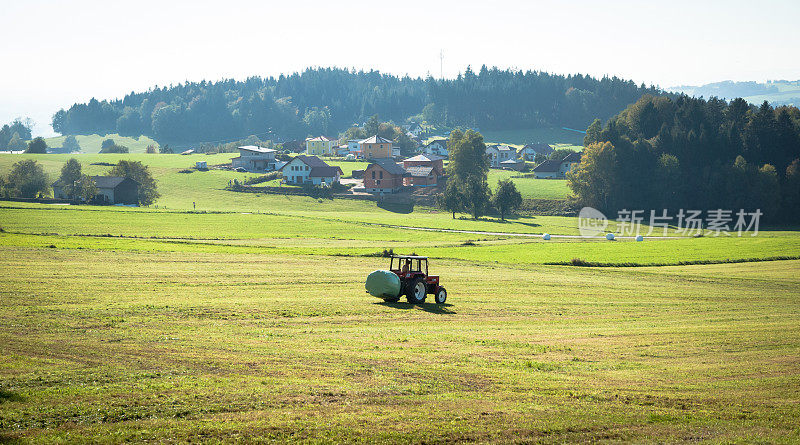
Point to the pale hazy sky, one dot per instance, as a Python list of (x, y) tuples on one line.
[(55, 53)]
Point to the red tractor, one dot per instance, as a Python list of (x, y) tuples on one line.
[(415, 282)]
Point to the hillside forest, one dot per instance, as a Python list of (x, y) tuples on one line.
[(330, 100)]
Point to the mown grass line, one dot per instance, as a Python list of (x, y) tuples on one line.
[(577, 262)]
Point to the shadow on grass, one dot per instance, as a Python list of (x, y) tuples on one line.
[(10, 396), (9, 438), (396, 207), (516, 219), (432, 308)]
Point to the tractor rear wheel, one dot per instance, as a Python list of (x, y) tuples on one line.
[(416, 291), (441, 295)]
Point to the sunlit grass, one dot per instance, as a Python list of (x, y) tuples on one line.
[(113, 346), (93, 143)]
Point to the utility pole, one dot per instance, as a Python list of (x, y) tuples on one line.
[(441, 65)]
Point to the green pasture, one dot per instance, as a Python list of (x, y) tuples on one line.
[(247, 321), (352, 234), (530, 187), (115, 346), (348, 166), (92, 143), (309, 212)]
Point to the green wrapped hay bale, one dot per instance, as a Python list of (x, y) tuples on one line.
[(383, 284)]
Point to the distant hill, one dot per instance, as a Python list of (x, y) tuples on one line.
[(330, 100), (778, 92)]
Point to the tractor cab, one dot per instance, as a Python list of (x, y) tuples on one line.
[(414, 279), (407, 266)]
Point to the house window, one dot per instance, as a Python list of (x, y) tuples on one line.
[(373, 174), (378, 182), (381, 175)]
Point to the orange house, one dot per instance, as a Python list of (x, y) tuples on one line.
[(375, 147)]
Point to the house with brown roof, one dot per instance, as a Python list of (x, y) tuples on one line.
[(110, 190), (557, 169), (375, 147), (421, 176), (310, 169), (529, 151), (513, 164), (548, 169), (426, 160), (384, 176), (569, 162)]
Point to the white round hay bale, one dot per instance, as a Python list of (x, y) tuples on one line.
[(546, 236), (610, 236), (640, 238)]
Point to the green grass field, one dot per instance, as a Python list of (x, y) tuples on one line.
[(247, 320), (92, 143), (306, 233), (120, 346), (530, 187)]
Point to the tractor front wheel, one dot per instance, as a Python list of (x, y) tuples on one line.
[(416, 291), (441, 296)]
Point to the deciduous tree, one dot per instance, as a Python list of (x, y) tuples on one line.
[(507, 198), (37, 145), (70, 144), (86, 189), (467, 156), (16, 143), (28, 179), (70, 174), (148, 190), (372, 126), (106, 144), (477, 197), (19, 127), (593, 179), (468, 169), (452, 199), (593, 133)]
